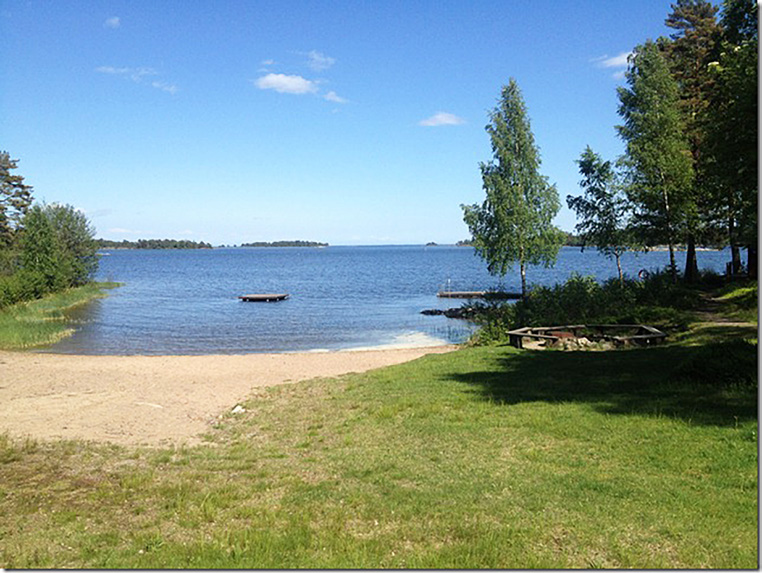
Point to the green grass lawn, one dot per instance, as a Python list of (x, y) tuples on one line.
[(488, 457)]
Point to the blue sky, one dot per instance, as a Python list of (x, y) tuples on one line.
[(347, 122)]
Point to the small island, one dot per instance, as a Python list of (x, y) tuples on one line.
[(152, 244), (285, 244)]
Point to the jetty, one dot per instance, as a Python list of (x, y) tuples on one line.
[(268, 297), (479, 294)]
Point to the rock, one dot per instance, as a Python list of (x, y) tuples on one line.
[(238, 409), (463, 312)]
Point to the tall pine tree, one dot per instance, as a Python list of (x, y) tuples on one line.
[(689, 51)]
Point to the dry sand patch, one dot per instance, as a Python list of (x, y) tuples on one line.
[(154, 399)]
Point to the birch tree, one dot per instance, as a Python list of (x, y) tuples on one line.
[(514, 222), (657, 159)]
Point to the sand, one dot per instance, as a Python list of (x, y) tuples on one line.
[(154, 400)]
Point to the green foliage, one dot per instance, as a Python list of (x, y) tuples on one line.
[(152, 244), (15, 199), (603, 210), (41, 252), (54, 250), (43, 248), (733, 139), (514, 223), (75, 237), (657, 300), (658, 160), (22, 285)]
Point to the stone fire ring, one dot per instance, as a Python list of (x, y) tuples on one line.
[(642, 334)]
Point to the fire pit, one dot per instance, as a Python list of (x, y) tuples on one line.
[(581, 335)]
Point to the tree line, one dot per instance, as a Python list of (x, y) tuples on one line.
[(689, 171), (285, 244), (44, 248), (152, 244)]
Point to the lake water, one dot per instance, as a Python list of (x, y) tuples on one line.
[(185, 301)]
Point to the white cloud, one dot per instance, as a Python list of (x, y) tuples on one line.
[(319, 61), (165, 87), (137, 75), (442, 118), (265, 66), (113, 22), (618, 61), (285, 84), (334, 97)]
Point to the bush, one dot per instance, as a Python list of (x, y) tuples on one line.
[(23, 286), (582, 300)]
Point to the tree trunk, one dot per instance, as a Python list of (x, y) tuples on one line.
[(691, 264), (735, 250), (523, 281), (619, 268), (670, 238), (751, 261), (735, 258)]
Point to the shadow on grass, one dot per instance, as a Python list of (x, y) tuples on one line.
[(657, 381)]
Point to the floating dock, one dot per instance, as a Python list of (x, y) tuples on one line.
[(269, 297), (478, 294)]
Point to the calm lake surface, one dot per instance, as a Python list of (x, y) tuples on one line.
[(185, 301)]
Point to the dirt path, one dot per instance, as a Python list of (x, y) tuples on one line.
[(710, 313), (154, 399)]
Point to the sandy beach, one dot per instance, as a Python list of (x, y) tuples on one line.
[(154, 400)]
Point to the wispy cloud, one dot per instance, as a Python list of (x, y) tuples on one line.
[(318, 61), (441, 118), (286, 84), (618, 62), (265, 66), (138, 75), (114, 22), (334, 97), (165, 87), (135, 74)]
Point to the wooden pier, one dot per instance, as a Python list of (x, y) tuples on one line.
[(479, 294), (269, 297)]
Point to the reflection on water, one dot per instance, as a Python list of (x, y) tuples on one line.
[(185, 302)]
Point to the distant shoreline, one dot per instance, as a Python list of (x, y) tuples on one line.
[(174, 244)]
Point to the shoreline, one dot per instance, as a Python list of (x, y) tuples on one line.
[(157, 400)]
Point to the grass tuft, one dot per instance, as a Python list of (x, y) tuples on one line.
[(45, 321)]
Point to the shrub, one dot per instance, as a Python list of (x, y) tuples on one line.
[(22, 286), (581, 299)]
